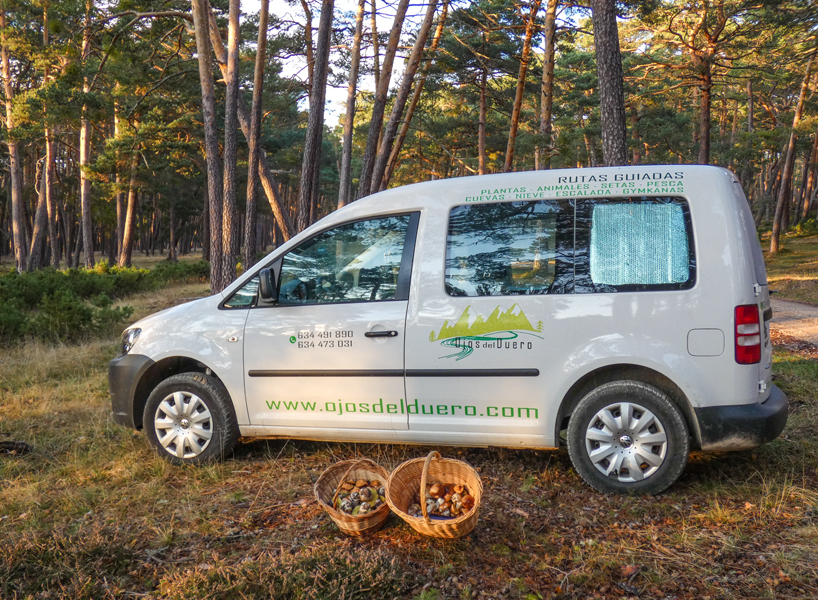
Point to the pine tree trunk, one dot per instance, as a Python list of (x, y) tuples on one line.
[(786, 174), (126, 249), (518, 97), (345, 185), (481, 126), (379, 105), (311, 164), (254, 141), (706, 89), (611, 86), (376, 51), (547, 89), (391, 129), (201, 23), (172, 234), (308, 43), (410, 111), (85, 150), (50, 204), (17, 212), (231, 80), (40, 223), (267, 181)]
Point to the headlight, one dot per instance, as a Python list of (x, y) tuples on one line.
[(129, 337)]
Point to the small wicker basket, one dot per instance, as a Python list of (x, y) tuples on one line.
[(326, 490), (413, 475)]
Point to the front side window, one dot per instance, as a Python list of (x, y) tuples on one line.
[(356, 262), (244, 297), (510, 248)]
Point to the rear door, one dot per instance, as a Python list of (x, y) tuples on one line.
[(761, 291)]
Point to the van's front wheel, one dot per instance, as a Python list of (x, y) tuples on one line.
[(628, 437), (189, 419)]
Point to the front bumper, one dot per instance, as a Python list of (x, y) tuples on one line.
[(745, 426), (124, 375)]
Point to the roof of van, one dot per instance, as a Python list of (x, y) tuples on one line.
[(598, 182)]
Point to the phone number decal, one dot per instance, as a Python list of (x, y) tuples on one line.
[(322, 339)]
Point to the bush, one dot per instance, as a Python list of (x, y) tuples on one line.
[(71, 305), (805, 228)]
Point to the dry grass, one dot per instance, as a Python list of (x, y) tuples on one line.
[(793, 271), (92, 512)]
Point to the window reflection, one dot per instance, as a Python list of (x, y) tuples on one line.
[(246, 296), (356, 262), (502, 249)]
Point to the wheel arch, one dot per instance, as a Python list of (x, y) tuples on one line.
[(158, 372), (621, 372)]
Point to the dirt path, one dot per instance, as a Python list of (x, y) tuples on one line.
[(796, 320)]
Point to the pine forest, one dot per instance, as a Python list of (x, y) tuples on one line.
[(168, 127)]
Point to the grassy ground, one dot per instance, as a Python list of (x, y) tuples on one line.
[(793, 271), (92, 512)]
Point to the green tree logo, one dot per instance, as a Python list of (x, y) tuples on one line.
[(432, 337), (539, 326)]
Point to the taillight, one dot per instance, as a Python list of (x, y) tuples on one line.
[(748, 335)]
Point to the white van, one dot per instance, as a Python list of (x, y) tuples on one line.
[(623, 312)]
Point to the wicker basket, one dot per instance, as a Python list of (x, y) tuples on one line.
[(326, 490), (411, 477)]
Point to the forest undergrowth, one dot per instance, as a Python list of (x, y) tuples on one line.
[(93, 512)]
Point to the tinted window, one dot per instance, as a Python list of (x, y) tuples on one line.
[(511, 248), (356, 262)]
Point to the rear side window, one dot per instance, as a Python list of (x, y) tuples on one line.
[(512, 248), (634, 244)]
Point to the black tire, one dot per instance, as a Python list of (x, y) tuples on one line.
[(203, 431), (618, 461)]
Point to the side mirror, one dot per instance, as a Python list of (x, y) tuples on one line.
[(267, 289)]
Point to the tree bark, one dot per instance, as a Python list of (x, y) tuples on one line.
[(50, 204), (17, 212), (750, 106), (201, 25), (379, 106), (345, 186), (410, 111), (309, 45), (126, 250), (38, 230), (547, 89), (786, 174), (611, 86), (481, 126), (85, 149), (391, 129), (376, 51), (518, 97), (254, 140), (311, 164), (706, 89), (231, 80), (267, 181)]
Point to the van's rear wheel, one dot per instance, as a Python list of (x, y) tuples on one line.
[(628, 437), (189, 419)]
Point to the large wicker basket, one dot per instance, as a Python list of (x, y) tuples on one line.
[(325, 491), (410, 478)]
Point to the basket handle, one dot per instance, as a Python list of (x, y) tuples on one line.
[(424, 473), (344, 478)]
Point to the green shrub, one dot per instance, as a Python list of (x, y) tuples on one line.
[(805, 228), (71, 305)]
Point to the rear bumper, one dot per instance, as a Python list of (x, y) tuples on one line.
[(744, 426), (124, 374)]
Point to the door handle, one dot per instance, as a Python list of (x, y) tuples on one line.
[(377, 334)]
